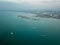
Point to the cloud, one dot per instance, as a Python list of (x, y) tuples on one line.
[(31, 1), (37, 3), (15, 1)]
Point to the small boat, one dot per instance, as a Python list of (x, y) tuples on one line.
[(42, 35)]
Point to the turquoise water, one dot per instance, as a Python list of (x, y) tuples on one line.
[(28, 31)]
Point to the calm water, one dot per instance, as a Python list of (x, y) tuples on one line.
[(15, 30)]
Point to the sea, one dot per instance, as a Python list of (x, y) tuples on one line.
[(16, 30)]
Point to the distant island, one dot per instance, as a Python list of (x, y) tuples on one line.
[(40, 13), (48, 14)]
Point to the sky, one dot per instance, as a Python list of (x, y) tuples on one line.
[(33, 1), (37, 3)]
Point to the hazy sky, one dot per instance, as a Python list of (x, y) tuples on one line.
[(38, 3), (33, 1)]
